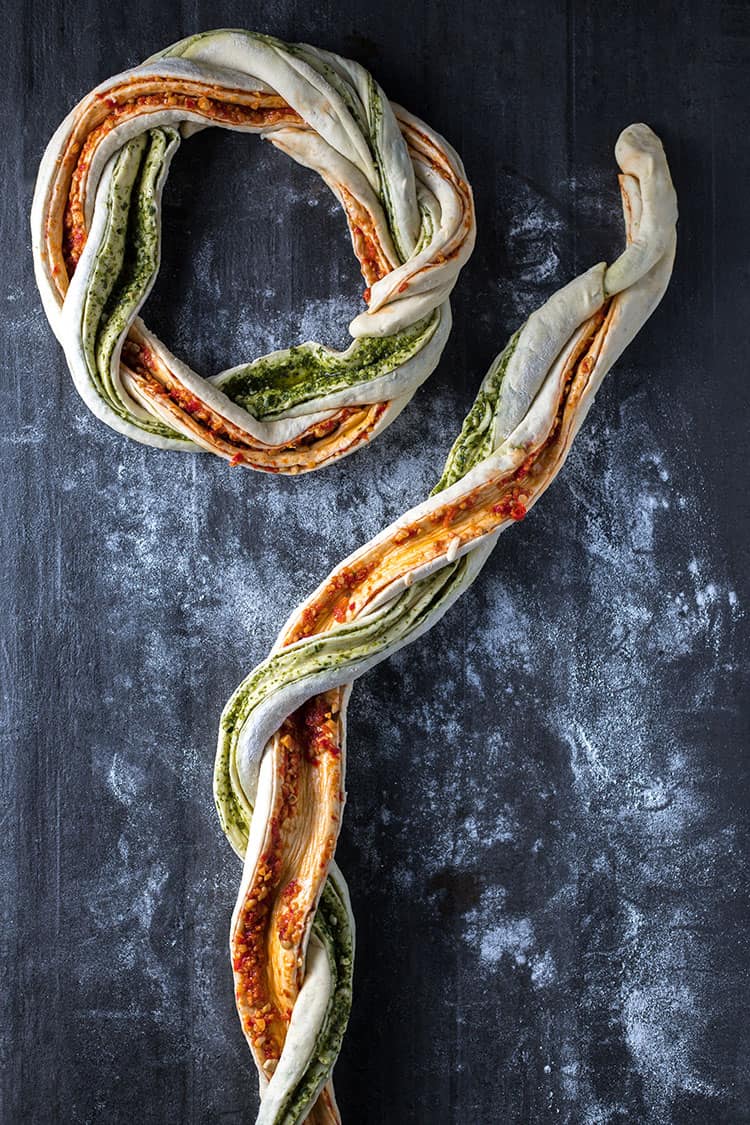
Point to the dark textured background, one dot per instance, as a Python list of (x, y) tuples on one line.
[(545, 836)]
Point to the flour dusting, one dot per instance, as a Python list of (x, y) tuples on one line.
[(541, 851), (593, 861)]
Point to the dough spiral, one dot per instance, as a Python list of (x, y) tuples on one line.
[(96, 240), (280, 760)]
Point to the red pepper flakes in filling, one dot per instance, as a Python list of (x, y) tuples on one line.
[(307, 624), (372, 259), (405, 534), (349, 579), (510, 506), (524, 469), (291, 918), (445, 516), (321, 728)]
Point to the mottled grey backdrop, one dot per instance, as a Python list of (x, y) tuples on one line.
[(545, 833)]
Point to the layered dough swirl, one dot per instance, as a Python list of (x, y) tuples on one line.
[(96, 235), (280, 763)]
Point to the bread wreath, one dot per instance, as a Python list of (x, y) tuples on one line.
[(96, 233)]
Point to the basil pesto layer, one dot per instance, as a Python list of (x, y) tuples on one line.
[(285, 379), (476, 439), (126, 263)]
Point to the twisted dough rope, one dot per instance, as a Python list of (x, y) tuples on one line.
[(280, 760), (96, 235)]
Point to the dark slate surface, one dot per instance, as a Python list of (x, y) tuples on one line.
[(545, 832)]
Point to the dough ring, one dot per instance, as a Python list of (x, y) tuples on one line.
[(96, 241)]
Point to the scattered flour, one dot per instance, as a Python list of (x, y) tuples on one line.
[(553, 806)]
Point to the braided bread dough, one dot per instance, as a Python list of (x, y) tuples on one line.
[(280, 760), (96, 239)]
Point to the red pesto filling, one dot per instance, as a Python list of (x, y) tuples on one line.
[(249, 943), (249, 950), (512, 504), (291, 917), (349, 579), (308, 440), (305, 734), (321, 731), (215, 109), (370, 258)]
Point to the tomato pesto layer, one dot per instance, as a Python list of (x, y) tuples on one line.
[(479, 513), (347, 428), (216, 105), (272, 924)]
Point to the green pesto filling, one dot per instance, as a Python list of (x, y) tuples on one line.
[(109, 258), (126, 263), (282, 380), (333, 929), (475, 441)]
